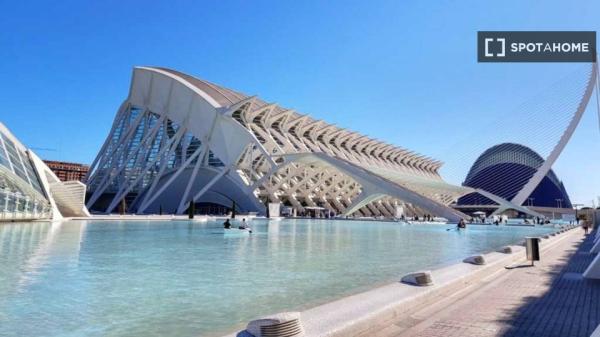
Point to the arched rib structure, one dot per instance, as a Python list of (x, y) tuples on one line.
[(177, 139), (544, 169), (511, 175)]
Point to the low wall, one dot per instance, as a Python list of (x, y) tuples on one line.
[(357, 314)]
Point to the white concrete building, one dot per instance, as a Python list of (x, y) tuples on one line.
[(177, 138), (29, 190)]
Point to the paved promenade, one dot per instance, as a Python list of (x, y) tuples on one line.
[(550, 299)]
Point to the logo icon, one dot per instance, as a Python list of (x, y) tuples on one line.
[(502, 42)]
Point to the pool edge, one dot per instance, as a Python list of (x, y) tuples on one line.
[(356, 314)]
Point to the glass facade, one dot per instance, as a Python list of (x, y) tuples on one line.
[(21, 192), (141, 137)]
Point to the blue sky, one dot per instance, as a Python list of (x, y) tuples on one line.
[(401, 71)]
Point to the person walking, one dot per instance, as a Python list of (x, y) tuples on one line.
[(585, 227)]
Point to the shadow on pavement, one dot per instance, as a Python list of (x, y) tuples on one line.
[(571, 306)]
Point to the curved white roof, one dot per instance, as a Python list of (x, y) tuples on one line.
[(228, 97)]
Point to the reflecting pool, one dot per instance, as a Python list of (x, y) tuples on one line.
[(180, 278)]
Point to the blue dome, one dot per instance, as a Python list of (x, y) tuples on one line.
[(504, 170)]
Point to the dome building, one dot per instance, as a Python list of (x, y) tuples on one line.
[(504, 170)]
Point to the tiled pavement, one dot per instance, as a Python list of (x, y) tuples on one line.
[(550, 299)]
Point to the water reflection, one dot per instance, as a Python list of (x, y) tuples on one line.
[(182, 278), (27, 247)]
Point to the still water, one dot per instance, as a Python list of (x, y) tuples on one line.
[(180, 278)]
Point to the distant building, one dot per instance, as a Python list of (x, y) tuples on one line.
[(68, 171), (505, 170)]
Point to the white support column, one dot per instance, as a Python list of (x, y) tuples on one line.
[(159, 158), (171, 179), (204, 189), (6, 193), (170, 146), (140, 154), (189, 185), (103, 183)]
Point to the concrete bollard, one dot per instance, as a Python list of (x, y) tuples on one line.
[(546, 236), (285, 324), (420, 278), (505, 250), (478, 260)]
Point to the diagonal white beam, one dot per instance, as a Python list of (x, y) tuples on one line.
[(204, 189), (173, 177), (189, 185), (526, 191), (170, 148)]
